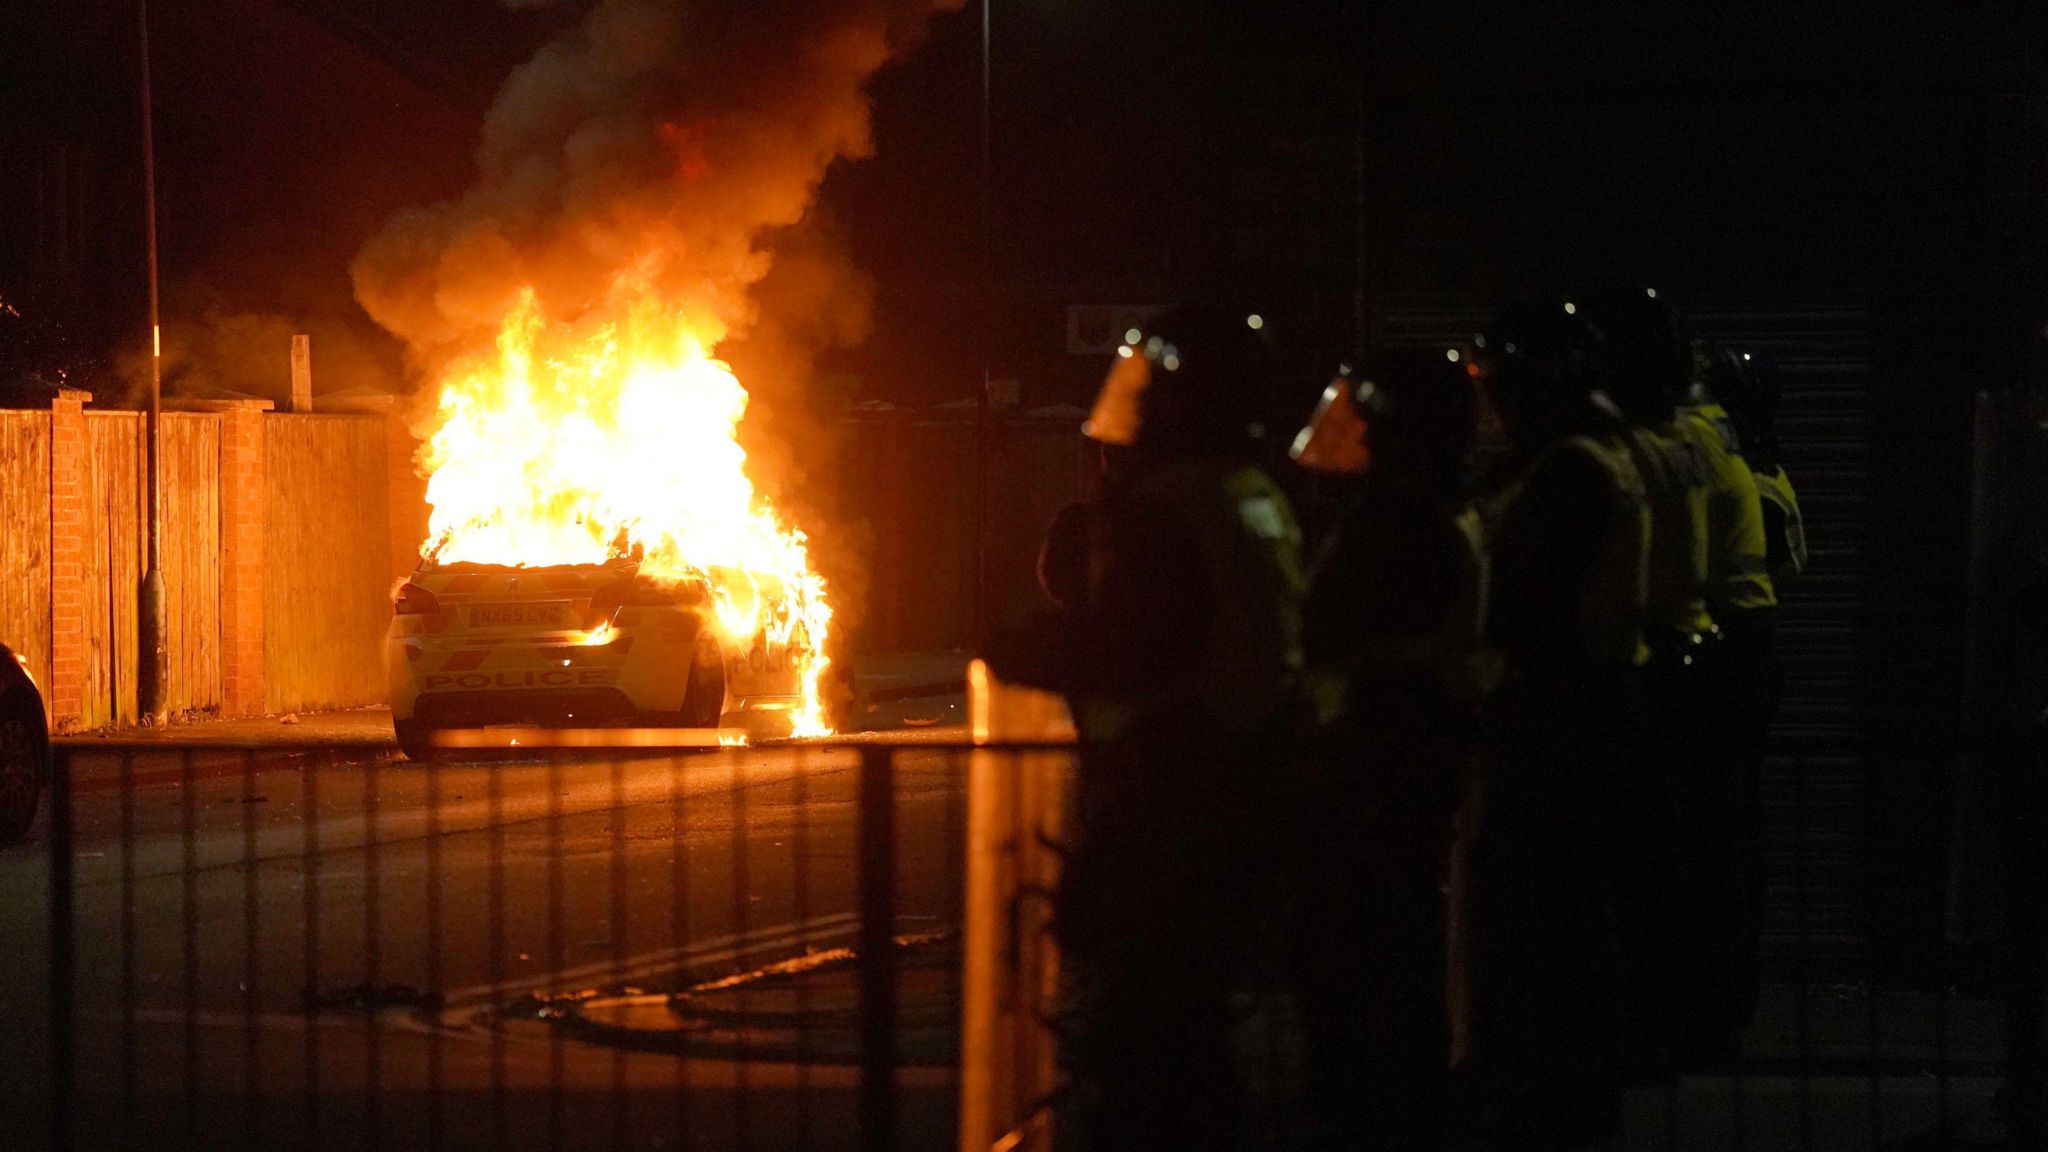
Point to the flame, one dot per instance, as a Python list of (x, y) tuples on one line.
[(613, 437)]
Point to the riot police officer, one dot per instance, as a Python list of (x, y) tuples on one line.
[(1396, 665), (1645, 366), (1747, 385), (1180, 665), (1745, 599), (1568, 538)]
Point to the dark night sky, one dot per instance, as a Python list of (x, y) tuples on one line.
[(1797, 153)]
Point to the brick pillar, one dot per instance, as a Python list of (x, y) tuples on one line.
[(241, 558), (70, 450)]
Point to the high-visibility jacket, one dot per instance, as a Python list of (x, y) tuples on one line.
[(1243, 548), (1399, 591), (1784, 527), (1674, 473), (1738, 573), (1549, 605), (1474, 665)]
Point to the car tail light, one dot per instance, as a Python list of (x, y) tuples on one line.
[(627, 593), (413, 600)]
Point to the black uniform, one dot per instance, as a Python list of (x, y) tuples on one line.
[(1180, 665), (1568, 541), (1392, 631)]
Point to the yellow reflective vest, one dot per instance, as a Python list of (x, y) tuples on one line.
[(1607, 613), (1784, 527), (1674, 472), (1248, 546), (1738, 574)]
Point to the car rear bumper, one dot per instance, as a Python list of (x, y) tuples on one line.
[(578, 707)]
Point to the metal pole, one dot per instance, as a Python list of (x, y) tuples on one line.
[(1358, 237), (155, 663), (981, 613), (876, 949)]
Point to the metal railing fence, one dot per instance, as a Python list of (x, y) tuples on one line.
[(321, 946)]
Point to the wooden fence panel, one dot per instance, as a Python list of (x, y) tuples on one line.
[(191, 560), (326, 579), (113, 570), (25, 538)]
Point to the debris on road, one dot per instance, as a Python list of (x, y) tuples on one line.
[(801, 1007), (370, 998)]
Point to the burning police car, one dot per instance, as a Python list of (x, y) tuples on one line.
[(584, 645)]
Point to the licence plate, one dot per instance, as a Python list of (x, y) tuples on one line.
[(552, 614)]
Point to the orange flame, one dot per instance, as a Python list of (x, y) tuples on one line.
[(578, 443)]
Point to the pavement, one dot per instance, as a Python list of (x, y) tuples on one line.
[(346, 726), (893, 692)]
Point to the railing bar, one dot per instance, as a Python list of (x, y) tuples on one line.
[(494, 789), (63, 957), (1873, 1027), (1738, 1097), (1671, 1108), (736, 794), (189, 832), (1941, 1052), (679, 931), (877, 954), (373, 961), (1801, 1008), (800, 881), (617, 819), (955, 801), (2024, 1001), (309, 1106), (558, 1055), (130, 1061), (252, 1000), (1276, 1121), (436, 1086), (1024, 817)]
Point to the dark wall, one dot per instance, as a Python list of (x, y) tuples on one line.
[(908, 494)]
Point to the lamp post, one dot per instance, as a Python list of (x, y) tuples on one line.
[(153, 685), (985, 320)]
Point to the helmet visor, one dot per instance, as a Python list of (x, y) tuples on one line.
[(1333, 441), (1116, 417)]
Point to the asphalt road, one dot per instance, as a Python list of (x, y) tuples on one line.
[(354, 952)]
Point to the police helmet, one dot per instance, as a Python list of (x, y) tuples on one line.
[(1418, 400), (1746, 384), (1645, 361), (1197, 376), (1335, 439), (1544, 362)]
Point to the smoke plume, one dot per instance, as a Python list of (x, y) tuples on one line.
[(659, 140)]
